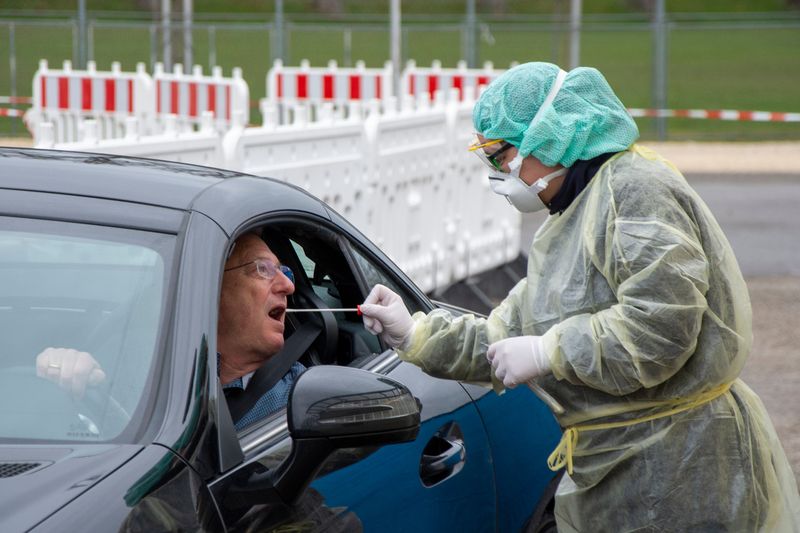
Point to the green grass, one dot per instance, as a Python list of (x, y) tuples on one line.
[(746, 69)]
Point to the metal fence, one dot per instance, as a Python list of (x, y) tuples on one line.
[(712, 61)]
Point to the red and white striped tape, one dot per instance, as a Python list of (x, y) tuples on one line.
[(716, 114), (25, 100), (8, 112)]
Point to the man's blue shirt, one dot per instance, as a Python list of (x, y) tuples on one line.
[(273, 400)]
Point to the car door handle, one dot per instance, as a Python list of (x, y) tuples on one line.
[(442, 458)]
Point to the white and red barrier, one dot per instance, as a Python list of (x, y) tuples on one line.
[(188, 96), (317, 86), (461, 82), (66, 97), (329, 84), (201, 147), (314, 86)]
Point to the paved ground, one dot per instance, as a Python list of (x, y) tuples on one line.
[(765, 238), (773, 370)]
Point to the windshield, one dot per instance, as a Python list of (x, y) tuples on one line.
[(80, 309)]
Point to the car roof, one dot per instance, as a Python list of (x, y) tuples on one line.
[(225, 196), (146, 181)]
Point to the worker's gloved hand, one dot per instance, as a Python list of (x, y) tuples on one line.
[(518, 360), (71, 369), (386, 315)]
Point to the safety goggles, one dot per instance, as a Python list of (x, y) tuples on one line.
[(489, 159), (267, 269)]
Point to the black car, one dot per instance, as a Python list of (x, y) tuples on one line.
[(123, 258)]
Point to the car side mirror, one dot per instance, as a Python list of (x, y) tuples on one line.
[(332, 407)]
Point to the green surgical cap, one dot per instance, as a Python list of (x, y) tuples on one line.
[(583, 120)]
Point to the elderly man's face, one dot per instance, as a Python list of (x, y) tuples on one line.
[(252, 308)]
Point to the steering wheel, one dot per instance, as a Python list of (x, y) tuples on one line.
[(59, 415)]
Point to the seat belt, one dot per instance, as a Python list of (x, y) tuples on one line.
[(272, 371)]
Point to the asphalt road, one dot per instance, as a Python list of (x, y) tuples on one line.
[(760, 215)]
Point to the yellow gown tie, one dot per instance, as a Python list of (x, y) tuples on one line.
[(562, 454)]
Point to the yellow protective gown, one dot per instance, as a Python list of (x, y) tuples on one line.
[(641, 306)]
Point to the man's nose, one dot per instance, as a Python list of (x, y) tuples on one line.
[(283, 284)]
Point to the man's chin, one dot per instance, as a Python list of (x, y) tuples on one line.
[(274, 343)]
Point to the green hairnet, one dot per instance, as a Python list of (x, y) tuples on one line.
[(585, 119)]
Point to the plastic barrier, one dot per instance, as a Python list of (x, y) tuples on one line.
[(486, 228), (288, 86), (330, 84), (66, 97), (188, 96), (404, 177), (428, 81), (203, 147)]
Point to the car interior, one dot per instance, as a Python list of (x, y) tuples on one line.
[(95, 290), (330, 273)]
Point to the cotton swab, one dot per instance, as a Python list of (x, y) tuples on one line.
[(356, 309)]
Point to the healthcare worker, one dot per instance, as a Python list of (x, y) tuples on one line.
[(634, 317)]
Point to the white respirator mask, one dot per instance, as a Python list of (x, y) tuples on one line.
[(524, 197)]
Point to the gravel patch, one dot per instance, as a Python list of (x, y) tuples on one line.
[(773, 369)]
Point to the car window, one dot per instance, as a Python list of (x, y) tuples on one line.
[(374, 274), (328, 282), (331, 271), (86, 288)]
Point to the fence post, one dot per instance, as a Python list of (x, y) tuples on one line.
[(81, 62), (166, 36), (348, 46), (212, 47), (90, 41), (470, 50), (278, 39), (12, 67), (188, 58), (660, 67), (575, 33), (153, 47)]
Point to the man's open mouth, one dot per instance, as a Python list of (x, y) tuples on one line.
[(277, 312)]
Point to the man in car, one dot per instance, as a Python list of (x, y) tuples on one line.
[(250, 327)]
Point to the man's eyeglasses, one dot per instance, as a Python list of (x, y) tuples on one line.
[(267, 269), (490, 159)]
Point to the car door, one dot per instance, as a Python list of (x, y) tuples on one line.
[(444, 479)]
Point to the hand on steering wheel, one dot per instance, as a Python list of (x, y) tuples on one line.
[(71, 369)]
